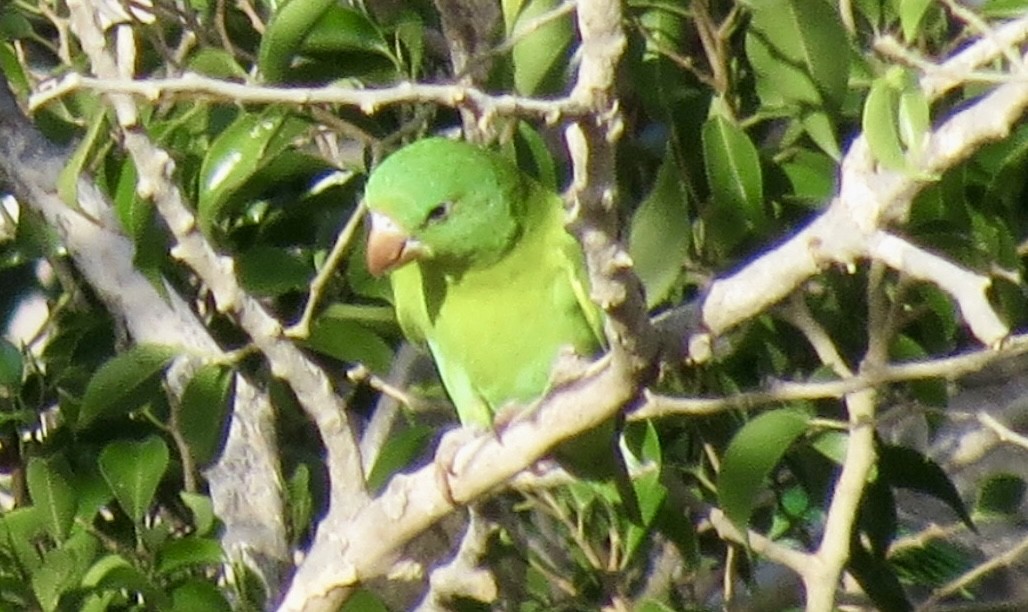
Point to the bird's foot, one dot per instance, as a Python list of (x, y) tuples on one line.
[(446, 459)]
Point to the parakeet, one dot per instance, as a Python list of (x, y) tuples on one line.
[(485, 274)]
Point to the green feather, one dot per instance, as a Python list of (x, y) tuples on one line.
[(499, 288)]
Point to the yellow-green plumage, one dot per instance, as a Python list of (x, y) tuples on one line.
[(489, 279)]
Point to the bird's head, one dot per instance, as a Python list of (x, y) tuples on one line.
[(445, 203)]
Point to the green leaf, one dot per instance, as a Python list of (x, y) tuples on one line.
[(115, 573), (808, 37), (202, 509), (285, 33), (880, 125), (798, 52), (342, 29), (305, 28), (911, 13), (237, 154), (133, 470), (189, 552), (10, 364), (659, 237), (364, 601), (643, 444), (933, 563), (217, 63), (812, 176), (907, 468), (1001, 494), (337, 335), (271, 271), (540, 56), (733, 170), (203, 412), (1003, 8), (533, 157), (14, 25), (50, 485), (877, 579), (68, 180), (124, 383), (22, 528), (301, 503), (931, 392), (914, 119), (410, 32), (195, 594), (54, 578), (402, 448), (750, 458)]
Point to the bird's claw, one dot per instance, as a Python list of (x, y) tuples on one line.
[(446, 458)]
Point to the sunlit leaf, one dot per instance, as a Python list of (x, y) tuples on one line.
[(733, 169), (50, 485), (752, 455), (237, 154)]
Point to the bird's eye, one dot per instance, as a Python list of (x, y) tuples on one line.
[(440, 212)]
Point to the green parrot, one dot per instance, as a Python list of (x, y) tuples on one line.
[(485, 274)]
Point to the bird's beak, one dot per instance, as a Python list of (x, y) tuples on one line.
[(389, 247)]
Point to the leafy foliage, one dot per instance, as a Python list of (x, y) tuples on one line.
[(736, 118)]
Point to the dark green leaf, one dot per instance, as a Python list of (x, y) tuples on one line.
[(203, 412), (877, 579), (270, 271), (931, 392), (751, 456), (660, 233), (195, 594), (347, 340), (189, 552), (50, 485), (10, 364), (877, 520), (124, 383), (237, 154), (906, 468), (1001, 494), (285, 33), (115, 573), (133, 470)]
